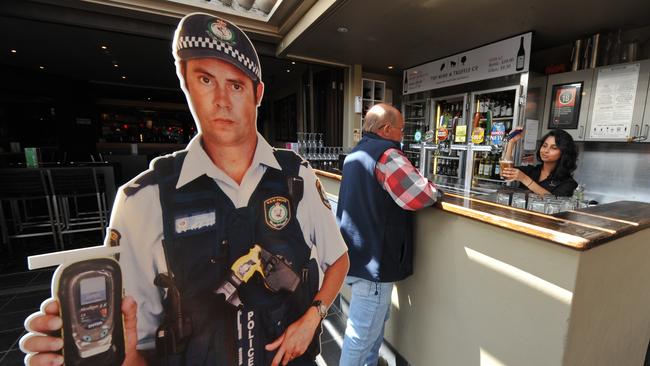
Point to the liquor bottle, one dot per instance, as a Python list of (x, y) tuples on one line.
[(481, 167), (504, 108), (521, 55), (487, 168), (509, 109), (497, 169)]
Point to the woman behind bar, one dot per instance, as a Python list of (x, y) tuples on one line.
[(558, 154)]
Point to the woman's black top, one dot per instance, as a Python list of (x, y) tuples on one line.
[(557, 187)]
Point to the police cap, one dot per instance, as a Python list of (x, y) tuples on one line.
[(202, 35)]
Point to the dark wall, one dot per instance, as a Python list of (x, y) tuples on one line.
[(39, 109)]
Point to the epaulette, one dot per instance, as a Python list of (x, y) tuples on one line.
[(303, 161), (145, 179)]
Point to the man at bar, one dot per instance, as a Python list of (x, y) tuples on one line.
[(185, 221), (379, 192)]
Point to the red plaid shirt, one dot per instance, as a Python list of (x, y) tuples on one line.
[(410, 190)]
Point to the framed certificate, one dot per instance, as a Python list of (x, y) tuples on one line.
[(565, 108)]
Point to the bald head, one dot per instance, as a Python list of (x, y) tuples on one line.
[(380, 115), (385, 121)]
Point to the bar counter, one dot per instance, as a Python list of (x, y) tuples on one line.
[(496, 285), (579, 229)]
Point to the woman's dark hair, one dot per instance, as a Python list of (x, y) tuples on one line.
[(569, 153)]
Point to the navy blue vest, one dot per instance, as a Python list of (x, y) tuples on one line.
[(377, 231), (200, 258)]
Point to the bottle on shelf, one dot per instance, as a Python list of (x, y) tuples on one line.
[(481, 167), (497, 170), (487, 168), (495, 167)]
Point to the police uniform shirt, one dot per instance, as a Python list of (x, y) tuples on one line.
[(136, 222)]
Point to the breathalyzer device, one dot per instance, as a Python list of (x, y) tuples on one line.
[(90, 298)]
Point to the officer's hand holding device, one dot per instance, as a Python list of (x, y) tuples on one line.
[(90, 297), (89, 294)]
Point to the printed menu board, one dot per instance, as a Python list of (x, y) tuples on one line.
[(566, 106), (614, 101)]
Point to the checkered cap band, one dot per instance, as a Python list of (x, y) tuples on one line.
[(193, 42)]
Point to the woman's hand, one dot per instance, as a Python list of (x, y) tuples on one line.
[(511, 174)]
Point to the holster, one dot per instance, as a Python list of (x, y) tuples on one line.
[(276, 319)]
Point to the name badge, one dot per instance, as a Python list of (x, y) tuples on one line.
[(195, 221)]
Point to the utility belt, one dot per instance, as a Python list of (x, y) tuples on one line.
[(253, 326)]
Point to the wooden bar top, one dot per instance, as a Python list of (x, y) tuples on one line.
[(579, 229)]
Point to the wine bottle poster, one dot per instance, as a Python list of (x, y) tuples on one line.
[(566, 106), (502, 58)]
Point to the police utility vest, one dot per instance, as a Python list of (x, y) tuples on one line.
[(204, 234), (377, 231)]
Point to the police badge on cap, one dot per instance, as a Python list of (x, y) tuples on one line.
[(202, 35), (220, 30)]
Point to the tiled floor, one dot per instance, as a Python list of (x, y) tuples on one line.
[(20, 295)]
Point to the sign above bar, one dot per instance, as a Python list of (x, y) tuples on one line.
[(502, 58)]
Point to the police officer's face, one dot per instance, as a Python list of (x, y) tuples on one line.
[(224, 100)]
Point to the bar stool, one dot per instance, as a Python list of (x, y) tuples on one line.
[(31, 210), (80, 200)]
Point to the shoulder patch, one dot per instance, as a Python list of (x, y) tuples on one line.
[(321, 193), (114, 238), (146, 179)]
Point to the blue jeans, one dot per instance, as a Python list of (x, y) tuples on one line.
[(369, 310)]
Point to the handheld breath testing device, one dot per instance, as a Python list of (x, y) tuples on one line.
[(90, 297)]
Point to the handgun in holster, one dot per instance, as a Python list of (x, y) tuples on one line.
[(275, 271), (174, 333)]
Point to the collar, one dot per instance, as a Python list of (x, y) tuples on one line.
[(374, 136), (197, 162)]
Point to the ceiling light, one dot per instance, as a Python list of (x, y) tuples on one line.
[(342, 30), (148, 98), (288, 70), (104, 47), (293, 62), (13, 51), (123, 76), (42, 67), (391, 67), (116, 65)]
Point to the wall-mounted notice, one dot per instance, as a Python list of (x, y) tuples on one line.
[(614, 101), (566, 106), (510, 56), (530, 134)]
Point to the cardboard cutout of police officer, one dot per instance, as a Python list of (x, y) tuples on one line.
[(237, 236)]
